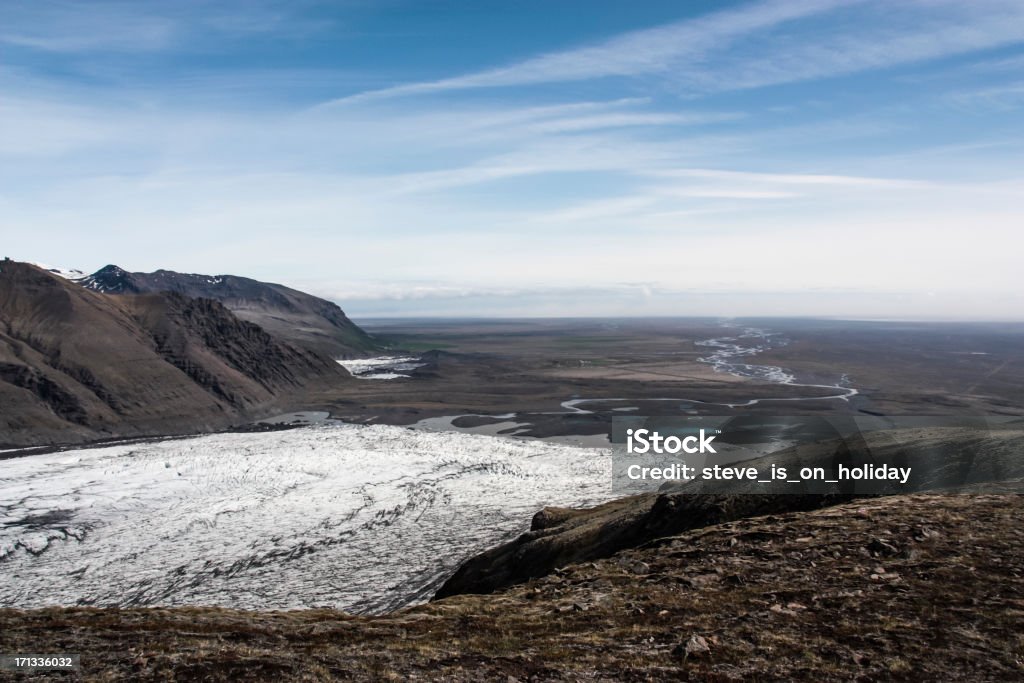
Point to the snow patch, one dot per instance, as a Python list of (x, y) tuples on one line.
[(66, 273)]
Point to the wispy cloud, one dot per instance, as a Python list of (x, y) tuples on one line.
[(639, 52), (792, 178), (745, 48), (125, 26), (730, 193), (1005, 96), (885, 38), (604, 121), (75, 27)]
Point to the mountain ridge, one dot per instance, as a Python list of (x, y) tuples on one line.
[(79, 365), (292, 315)]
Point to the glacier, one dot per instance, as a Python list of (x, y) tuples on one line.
[(383, 367), (362, 518)]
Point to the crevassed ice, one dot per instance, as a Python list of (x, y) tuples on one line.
[(362, 518), (385, 367)]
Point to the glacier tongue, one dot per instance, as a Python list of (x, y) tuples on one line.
[(362, 518)]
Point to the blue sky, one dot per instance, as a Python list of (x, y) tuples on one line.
[(849, 158)]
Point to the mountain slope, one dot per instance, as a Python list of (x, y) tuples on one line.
[(77, 364), (286, 313)]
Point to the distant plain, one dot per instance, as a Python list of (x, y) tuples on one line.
[(569, 376)]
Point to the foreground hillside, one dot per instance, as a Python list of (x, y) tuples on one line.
[(77, 364), (923, 587)]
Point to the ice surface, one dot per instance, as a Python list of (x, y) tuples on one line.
[(385, 367), (364, 518)]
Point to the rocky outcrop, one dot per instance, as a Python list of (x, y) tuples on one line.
[(559, 537)]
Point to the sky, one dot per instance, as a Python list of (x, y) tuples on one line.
[(839, 158)]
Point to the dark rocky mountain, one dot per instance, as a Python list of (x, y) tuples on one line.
[(77, 364), (286, 313)]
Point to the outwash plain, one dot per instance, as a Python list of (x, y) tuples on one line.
[(664, 366)]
